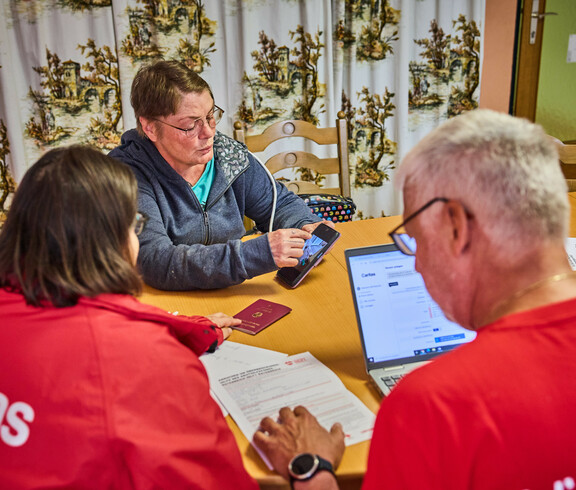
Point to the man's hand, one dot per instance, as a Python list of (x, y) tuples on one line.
[(287, 245), (310, 227), (298, 432), (224, 322)]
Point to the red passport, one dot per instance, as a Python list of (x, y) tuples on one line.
[(259, 315)]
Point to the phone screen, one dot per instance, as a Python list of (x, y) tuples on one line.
[(315, 247), (312, 248)]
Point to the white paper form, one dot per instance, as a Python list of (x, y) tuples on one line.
[(231, 357), (570, 245), (259, 392)]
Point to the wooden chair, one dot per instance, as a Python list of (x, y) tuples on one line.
[(337, 135), (567, 155)]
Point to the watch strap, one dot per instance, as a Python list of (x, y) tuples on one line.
[(320, 464)]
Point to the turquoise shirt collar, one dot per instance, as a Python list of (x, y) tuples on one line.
[(204, 184)]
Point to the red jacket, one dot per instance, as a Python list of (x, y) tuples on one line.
[(103, 395), (498, 413)]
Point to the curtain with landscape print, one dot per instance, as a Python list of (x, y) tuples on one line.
[(397, 68)]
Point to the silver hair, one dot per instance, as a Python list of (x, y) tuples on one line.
[(505, 170)]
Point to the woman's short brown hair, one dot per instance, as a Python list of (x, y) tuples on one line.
[(66, 234), (158, 88)]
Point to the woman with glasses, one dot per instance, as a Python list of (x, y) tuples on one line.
[(196, 185), (97, 389)]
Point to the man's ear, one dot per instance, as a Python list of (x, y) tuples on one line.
[(459, 223), (150, 128)]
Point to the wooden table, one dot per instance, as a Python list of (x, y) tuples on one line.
[(322, 322)]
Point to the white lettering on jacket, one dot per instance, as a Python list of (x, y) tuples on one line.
[(14, 430)]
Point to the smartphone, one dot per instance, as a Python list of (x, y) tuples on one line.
[(323, 238)]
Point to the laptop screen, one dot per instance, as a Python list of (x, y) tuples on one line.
[(398, 320)]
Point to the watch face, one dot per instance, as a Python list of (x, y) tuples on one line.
[(303, 463)]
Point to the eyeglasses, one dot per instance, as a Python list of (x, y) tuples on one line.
[(140, 223), (405, 243), (212, 118)]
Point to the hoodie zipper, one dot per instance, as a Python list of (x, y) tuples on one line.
[(205, 211), (204, 215)]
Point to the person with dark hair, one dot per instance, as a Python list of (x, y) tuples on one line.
[(98, 390), (196, 185)]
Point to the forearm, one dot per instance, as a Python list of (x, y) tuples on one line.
[(187, 267), (323, 480)]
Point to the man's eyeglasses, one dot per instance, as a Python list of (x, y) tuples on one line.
[(405, 243), (213, 118), (140, 223)]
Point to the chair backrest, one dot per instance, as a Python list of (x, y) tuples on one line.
[(567, 157), (337, 135), (567, 154)]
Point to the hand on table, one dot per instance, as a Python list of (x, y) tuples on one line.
[(298, 432), (286, 246), (224, 322)]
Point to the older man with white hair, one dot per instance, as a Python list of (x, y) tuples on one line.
[(485, 201)]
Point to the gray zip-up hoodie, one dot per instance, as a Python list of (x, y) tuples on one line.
[(186, 247)]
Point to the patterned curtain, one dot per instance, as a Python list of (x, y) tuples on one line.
[(397, 68)]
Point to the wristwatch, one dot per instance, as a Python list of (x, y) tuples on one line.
[(304, 466)]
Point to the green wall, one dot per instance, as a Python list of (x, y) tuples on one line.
[(556, 108)]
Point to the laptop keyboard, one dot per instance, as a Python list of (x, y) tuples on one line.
[(391, 381)]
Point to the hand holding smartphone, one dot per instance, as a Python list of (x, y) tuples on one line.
[(323, 238)]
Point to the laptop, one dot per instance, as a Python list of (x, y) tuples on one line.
[(400, 325)]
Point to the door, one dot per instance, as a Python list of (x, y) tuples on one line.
[(546, 69)]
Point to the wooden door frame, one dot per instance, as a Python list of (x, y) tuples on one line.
[(528, 62)]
